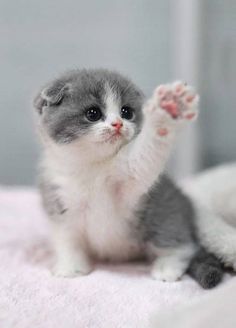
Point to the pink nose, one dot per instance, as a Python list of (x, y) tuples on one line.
[(118, 125)]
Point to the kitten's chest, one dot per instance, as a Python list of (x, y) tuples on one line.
[(107, 221)]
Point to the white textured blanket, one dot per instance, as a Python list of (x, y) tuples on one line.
[(110, 297)]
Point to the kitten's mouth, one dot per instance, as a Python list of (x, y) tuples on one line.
[(112, 138)]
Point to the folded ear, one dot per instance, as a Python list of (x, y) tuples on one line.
[(51, 95)]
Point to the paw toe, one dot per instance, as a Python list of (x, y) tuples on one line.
[(190, 116), (189, 98), (160, 91), (166, 277), (178, 87), (166, 274)]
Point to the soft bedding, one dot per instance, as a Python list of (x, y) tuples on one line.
[(119, 296)]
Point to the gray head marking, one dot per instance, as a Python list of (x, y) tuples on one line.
[(62, 103)]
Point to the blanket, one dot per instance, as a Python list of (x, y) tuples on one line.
[(112, 296)]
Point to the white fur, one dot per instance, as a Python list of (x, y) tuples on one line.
[(171, 264), (217, 236), (101, 179), (214, 195)]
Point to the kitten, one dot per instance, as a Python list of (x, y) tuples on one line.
[(102, 182)]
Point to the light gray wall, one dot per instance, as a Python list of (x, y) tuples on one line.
[(39, 39), (218, 81)]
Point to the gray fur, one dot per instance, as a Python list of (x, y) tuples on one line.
[(167, 219), (167, 215), (51, 199), (206, 269), (62, 103)]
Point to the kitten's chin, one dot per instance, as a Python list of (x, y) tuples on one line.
[(112, 146), (113, 139), (107, 148)]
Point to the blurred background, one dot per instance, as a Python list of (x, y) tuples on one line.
[(152, 41)]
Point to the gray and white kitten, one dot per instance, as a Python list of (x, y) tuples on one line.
[(102, 182)]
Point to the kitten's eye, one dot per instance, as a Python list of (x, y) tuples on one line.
[(127, 112), (93, 114)]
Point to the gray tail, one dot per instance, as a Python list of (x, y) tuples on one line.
[(206, 269)]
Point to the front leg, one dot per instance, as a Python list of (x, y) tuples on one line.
[(71, 256), (146, 156)]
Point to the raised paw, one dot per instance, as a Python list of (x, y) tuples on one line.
[(178, 100), (171, 104)]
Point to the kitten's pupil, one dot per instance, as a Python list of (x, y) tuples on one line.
[(127, 112), (93, 114)]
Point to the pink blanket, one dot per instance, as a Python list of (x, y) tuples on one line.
[(111, 296)]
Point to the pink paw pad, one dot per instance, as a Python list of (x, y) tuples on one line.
[(190, 116), (178, 100), (162, 132), (190, 98), (171, 107)]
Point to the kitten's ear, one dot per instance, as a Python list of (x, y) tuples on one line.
[(51, 95)]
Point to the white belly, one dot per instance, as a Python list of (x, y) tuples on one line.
[(106, 222), (110, 229), (110, 235)]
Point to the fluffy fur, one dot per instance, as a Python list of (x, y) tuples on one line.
[(102, 179), (216, 212)]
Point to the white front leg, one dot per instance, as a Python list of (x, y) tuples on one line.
[(71, 257), (144, 159)]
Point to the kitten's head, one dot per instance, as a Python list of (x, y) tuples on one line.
[(98, 109)]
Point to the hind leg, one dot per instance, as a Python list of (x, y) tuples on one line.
[(171, 263)]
